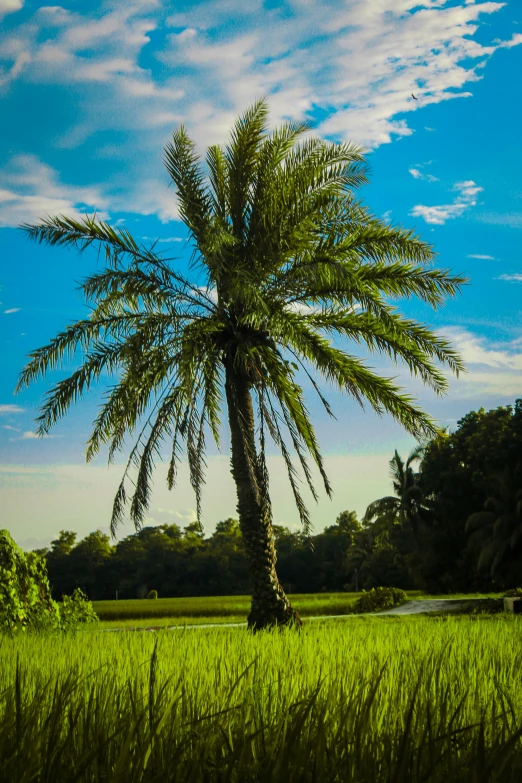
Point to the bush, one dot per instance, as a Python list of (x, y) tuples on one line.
[(76, 610), (379, 599), (152, 594), (515, 592), (25, 594)]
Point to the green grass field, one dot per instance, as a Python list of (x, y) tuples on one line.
[(219, 609), (374, 701)]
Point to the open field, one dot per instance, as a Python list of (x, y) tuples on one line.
[(180, 611), (211, 609), (377, 700)]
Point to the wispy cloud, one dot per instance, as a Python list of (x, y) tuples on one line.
[(511, 219), (12, 310), (10, 409), (163, 240), (417, 173), (516, 40), (514, 278), (437, 215), (30, 190), (357, 62), (29, 435), (8, 427), (493, 367), (481, 257)]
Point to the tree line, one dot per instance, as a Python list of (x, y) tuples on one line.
[(452, 523)]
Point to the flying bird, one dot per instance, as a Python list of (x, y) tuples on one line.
[(414, 98)]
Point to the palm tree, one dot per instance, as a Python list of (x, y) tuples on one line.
[(406, 505), (496, 533), (284, 257)]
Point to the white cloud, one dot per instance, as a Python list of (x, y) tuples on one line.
[(9, 6), (493, 367), (416, 173), (31, 190), (360, 61), (8, 427), (163, 240), (11, 409), (468, 190), (438, 215), (12, 310), (516, 40), (481, 257), (515, 278), (29, 435)]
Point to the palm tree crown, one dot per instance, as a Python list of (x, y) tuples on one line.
[(496, 532), (284, 258), (404, 506)]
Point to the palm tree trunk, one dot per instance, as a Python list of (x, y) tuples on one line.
[(270, 606)]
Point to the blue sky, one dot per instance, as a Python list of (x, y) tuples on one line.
[(89, 94)]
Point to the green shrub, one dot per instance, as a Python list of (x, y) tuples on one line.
[(152, 594), (25, 594), (76, 610), (380, 598), (515, 592)]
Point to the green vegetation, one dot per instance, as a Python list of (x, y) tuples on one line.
[(380, 599), (216, 607), (428, 535), (285, 258), (25, 594), (371, 701)]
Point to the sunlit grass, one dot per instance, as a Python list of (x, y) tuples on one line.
[(367, 699)]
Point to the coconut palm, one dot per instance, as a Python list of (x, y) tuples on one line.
[(284, 257), (496, 532), (405, 506)]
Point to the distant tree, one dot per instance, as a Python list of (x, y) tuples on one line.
[(59, 566), (64, 543), (457, 472), (88, 560), (403, 508), (193, 534)]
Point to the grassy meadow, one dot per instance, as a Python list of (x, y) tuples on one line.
[(371, 700), (215, 608), (163, 612)]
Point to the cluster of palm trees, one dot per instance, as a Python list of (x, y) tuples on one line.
[(286, 259), (494, 533)]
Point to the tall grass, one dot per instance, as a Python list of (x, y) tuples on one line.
[(366, 700)]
